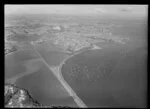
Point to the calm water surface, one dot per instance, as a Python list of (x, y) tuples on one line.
[(45, 88), (114, 76), (14, 63)]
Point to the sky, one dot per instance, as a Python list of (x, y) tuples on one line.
[(124, 10)]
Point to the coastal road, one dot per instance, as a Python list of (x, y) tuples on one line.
[(57, 73)]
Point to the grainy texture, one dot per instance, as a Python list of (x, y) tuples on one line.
[(18, 97)]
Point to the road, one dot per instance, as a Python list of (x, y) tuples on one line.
[(57, 73)]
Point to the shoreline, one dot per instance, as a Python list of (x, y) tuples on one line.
[(60, 77), (58, 74)]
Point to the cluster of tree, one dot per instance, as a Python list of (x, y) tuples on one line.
[(12, 98)]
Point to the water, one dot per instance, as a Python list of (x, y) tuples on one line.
[(34, 76), (14, 62), (51, 54), (44, 87), (114, 76), (99, 76)]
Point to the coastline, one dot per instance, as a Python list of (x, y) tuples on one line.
[(59, 76), (57, 73)]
